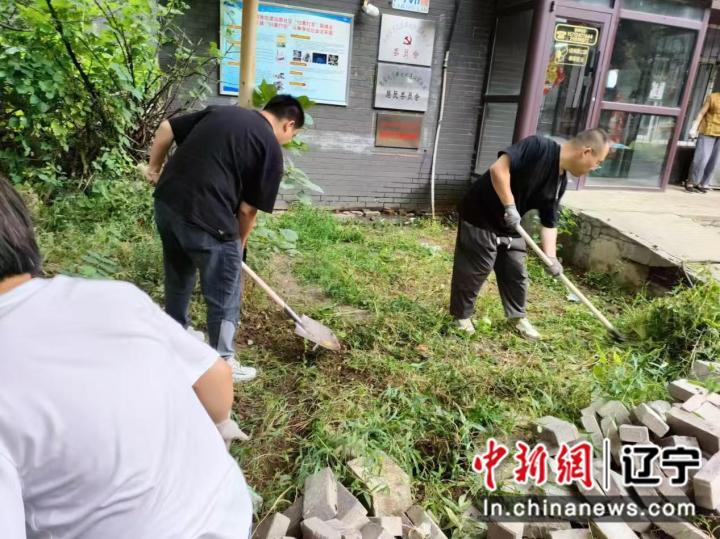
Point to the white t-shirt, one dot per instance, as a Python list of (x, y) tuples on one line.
[(101, 433)]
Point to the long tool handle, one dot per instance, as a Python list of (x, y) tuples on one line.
[(570, 286), (270, 292)]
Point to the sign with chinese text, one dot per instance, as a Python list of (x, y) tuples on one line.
[(300, 51), (402, 87), (419, 6), (576, 34), (398, 130), (406, 40), (571, 55)]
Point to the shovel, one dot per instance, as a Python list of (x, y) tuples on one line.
[(305, 327), (570, 286)]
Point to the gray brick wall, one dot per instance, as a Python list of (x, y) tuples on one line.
[(343, 160)]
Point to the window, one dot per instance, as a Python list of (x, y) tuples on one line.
[(508, 61), (686, 9), (649, 64), (498, 126), (639, 149)]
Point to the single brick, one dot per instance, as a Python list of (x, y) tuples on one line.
[(682, 390), (651, 419), (576, 533), (661, 407), (320, 498), (345, 531), (314, 528), (612, 530), (709, 412), (505, 530), (634, 434), (706, 484), (392, 525), (556, 431), (681, 530), (590, 424), (541, 530), (617, 411), (686, 424), (294, 513), (679, 441), (421, 520), (350, 511), (388, 483), (693, 403), (610, 430), (372, 530), (275, 527)]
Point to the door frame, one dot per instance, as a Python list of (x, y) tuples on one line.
[(532, 103)]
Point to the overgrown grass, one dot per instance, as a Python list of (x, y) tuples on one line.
[(405, 382)]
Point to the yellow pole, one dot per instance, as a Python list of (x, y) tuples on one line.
[(247, 52)]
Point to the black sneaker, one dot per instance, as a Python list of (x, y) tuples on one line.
[(701, 189)]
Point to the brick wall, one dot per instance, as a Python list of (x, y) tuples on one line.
[(344, 161)]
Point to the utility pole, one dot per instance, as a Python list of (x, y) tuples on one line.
[(248, 45)]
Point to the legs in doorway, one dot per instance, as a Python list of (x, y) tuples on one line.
[(705, 162)]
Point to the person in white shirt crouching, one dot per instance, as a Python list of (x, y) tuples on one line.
[(113, 419)]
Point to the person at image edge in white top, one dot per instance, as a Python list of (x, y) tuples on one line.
[(112, 416)]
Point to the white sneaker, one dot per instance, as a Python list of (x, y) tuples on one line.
[(526, 329), (466, 325), (240, 373), (199, 335)]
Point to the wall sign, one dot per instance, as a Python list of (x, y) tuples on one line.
[(576, 34), (301, 51), (398, 130), (402, 87), (571, 55), (406, 40), (419, 6)]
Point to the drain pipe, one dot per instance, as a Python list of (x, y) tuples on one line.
[(442, 109), (437, 134)]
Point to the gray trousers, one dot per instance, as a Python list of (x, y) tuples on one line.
[(705, 161), (477, 253)]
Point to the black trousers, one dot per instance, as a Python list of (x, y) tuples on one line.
[(187, 250), (477, 253)]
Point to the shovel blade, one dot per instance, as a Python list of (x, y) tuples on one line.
[(314, 331)]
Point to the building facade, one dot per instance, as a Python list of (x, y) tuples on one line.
[(514, 68)]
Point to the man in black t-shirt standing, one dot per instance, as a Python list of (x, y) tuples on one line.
[(529, 175), (228, 164)]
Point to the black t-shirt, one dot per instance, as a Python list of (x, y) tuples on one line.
[(224, 156), (535, 182)]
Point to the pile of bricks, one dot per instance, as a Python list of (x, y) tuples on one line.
[(328, 510), (691, 420)]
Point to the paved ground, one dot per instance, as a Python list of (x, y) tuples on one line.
[(679, 226)]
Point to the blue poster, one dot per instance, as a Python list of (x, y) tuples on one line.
[(300, 51)]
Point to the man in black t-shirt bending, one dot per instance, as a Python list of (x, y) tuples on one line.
[(529, 175), (227, 165)]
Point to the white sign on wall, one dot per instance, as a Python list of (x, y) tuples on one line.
[(419, 6), (406, 40), (402, 87)]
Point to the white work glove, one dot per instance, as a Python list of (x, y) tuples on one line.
[(556, 269), (230, 432), (512, 216)]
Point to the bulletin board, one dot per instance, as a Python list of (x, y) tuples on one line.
[(301, 51)]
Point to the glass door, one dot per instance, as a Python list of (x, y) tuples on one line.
[(569, 93)]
